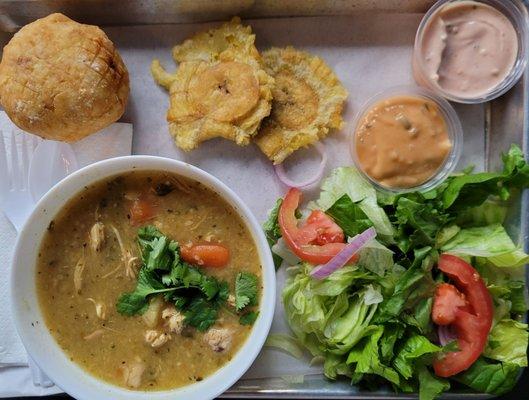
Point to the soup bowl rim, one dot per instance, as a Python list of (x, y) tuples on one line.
[(29, 319)]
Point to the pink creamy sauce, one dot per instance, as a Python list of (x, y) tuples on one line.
[(468, 48)]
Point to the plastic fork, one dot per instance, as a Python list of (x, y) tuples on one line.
[(51, 162), (16, 201), (15, 198)]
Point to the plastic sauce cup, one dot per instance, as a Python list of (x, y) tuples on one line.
[(516, 12), (453, 125)]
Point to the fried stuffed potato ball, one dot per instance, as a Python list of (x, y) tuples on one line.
[(219, 89), (308, 102), (62, 80)]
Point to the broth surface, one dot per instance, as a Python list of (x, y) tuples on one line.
[(78, 286)]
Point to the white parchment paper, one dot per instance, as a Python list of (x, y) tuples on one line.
[(368, 52)]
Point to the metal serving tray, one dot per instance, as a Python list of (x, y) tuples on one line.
[(138, 27)]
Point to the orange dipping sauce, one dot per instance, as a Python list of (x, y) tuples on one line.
[(402, 141)]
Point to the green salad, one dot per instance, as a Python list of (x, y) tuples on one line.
[(436, 300)]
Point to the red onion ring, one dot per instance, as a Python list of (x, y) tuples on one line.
[(340, 259), (446, 334), (281, 174)]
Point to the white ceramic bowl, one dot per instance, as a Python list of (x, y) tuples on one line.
[(28, 317)]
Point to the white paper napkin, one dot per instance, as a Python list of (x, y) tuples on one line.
[(113, 141)]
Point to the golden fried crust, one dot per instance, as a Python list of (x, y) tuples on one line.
[(62, 80), (225, 91), (307, 102), (219, 89), (231, 41)]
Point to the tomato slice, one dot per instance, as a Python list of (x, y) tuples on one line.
[(471, 315), (447, 300), (318, 240), (206, 254), (468, 281), (320, 229)]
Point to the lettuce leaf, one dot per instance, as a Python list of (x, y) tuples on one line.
[(419, 315), (349, 216), (508, 342), (304, 309), (367, 359), (376, 257), (348, 181), (445, 234), (340, 280), (430, 386), (343, 330), (392, 334), (492, 211), (414, 285), (490, 377), (469, 190), (273, 232), (413, 348), (418, 222), (491, 242), (286, 343), (505, 285), (323, 315), (517, 294), (372, 295), (335, 365)]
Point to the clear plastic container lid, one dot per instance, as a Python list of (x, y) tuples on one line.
[(517, 14), (454, 130)]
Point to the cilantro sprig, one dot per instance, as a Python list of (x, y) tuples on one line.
[(245, 290), (197, 295)]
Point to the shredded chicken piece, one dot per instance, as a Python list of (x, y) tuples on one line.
[(131, 195), (156, 338), (101, 308), (97, 214), (120, 241), (174, 320), (112, 330), (219, 339), (111, 272), (182, 186), (97, 236), (132, 373), (210, 237), (94, 335), (130, 261), (198, 223), (156, 370), (131, 268), (78, 274), (231, 300)]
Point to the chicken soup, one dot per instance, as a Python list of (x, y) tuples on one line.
[(149, 281)]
